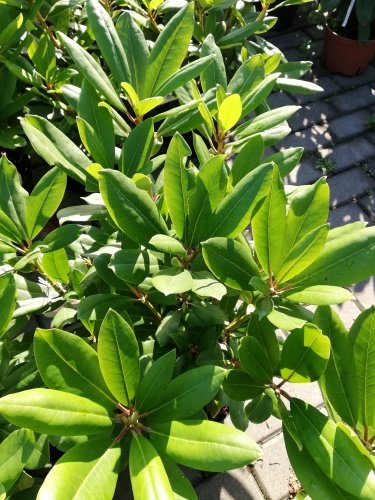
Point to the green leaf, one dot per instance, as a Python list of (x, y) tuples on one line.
[(130, 207), (67, 363), (248, 76), (95, 307), (319, 295), (13, 198), (289, 316), (297, 86), (337, 455), (205, 285), (44, 200), (15, 450), (147, 473), (176, 183), (258, 94), (248, 158), (8, 229), (181, 486), (229, 112), (136, 50), (286, 160), (108, 40), (267, 224), (338, 383), (305, 355), (137, 148), (61, 237), (155, 380), (204, 445), (88, 470), (167, 244), (7, 301), (236, 36), (169, 325), (240, 386), (342, 261), (146, 105), (187, 393), (259, 409), (133, 266), (95, 126), (119, 357), (210, 190), (230, 261), (40, 456), (264, 332), (255, 361), (172, 281), (266, 121), (55, 264), (215, 73), (235, 211), (362, 342), (56, 148), (54, 412), (169, 50), (91, 70)]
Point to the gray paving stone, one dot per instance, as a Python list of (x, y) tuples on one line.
[(305, 172), (312, 113), (292, 54), (348, 126), (238, 484), (367, 203), (316, 32), (278, 99), (318, 136), (272, 471), (353, 100), (368, 76), (346, 214), (349, 153), (349, 185), (365, 292), (308, 392), (329, 88), (289, 40), (348, 312)]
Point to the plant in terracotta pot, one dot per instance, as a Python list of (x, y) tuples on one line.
[(349, 43)]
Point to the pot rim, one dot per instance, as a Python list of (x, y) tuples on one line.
[(347, 41)]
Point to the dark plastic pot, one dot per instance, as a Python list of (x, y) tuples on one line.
[(344, 55)]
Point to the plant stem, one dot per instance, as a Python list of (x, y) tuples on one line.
[(48, 30), (236, 323), (59, 288), (143, 298)]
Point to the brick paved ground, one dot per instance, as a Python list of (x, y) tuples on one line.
[(330, 125)]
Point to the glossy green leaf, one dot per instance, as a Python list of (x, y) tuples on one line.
[(67, 363), (237, 35), (188, 393), (54, 412), (91, 70), (137, 148), (135, 48), (248, 76), (155, 380), (334, 451), (205, 285), (266, 121), (130, 207), (172, 281), (297, 86), (61, 237), (204, 445), (14, 453), (319, 295), (146, 105), (229, 112), (258, 94), (55, 264), (133, 266), (240, 386), (167, 244), (13, 197), (305, 355), (286, 160), (108, 40), (230, 261), (88, 470), (338, 382), (343, 261), (176, 183), (118, 357), (181, 486), (44, 200), (147, 474), (267, 225), (248, 158), (215, 73), (210, 190), (255, 361), (235, 211), (168, 325), (264, 332), (8, 229), (56, 148), (259, 409), (95, 126), (95, 307), (7, 300), (169, 50), (40, 456), (362, 341)]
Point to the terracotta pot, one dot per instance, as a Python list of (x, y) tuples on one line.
[(344, 55)]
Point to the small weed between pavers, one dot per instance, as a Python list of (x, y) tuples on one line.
[(370, 123), (326, 165)]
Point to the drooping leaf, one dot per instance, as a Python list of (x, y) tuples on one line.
[(248, 158), (67, 363), (181, 486), (7, 300), (205, 285), (133, 266), (118, 357), (286, 160), (55, 264), (130, 207), (215, 73), (54, 412), (305, 355), (259, 409), (88, 470), (254, 360), (204, 445), (15, 450), (8, 229), (240, 386), (167, 244), (172, 281), (319, 295), (137, 148)]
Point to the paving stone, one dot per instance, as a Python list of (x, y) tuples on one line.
[(368, 76), (278, 99), (318, 136), (367, 203), (304, 173), (316, 32), (349, 153), (329, 88), (346, 214), (348, 312), (272, 471), (292, 54), (353, 100), (312, 113), (308, 392), (238, 484), (348, 126), (365, 292), (349, 185)]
